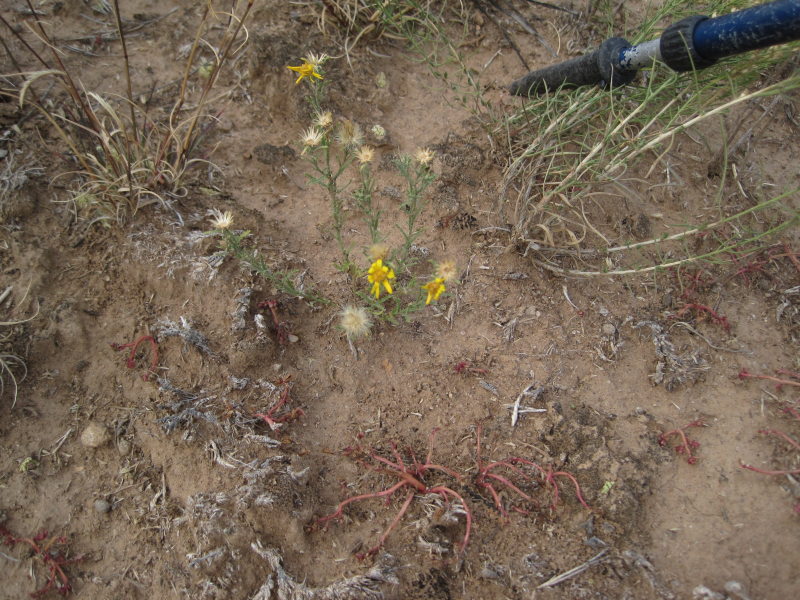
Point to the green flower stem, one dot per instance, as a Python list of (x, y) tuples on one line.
[(283, 280), (363, 199), (418, 177)]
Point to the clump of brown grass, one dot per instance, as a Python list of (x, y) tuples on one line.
[(127, 159)]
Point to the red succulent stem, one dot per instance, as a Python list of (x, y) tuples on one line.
[(782, 435), (745, 374), (131, 360), (767, 472)]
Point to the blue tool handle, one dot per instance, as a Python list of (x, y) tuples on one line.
[(692, 43), (748, 29)]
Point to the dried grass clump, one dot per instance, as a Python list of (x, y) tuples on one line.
[(126, 158)]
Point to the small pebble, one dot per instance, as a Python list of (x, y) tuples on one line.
[(609, 329), (124, 447), (95, 435), (102, 506)]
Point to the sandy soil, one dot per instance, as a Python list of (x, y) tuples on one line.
[(182, 491)]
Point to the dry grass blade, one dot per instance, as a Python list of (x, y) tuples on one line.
[(128, 161), (31, 78), (575, 571), (569, 149), (8, 358)]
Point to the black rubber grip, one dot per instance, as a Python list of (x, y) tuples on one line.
[(677, 46), (598, 67)]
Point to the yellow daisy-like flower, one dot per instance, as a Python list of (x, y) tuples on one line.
[(435, 289), (380, 274), (365, 154), (378, 251), (311, 138), (447, 270), (424, 156), (307, 69), (219, 219)]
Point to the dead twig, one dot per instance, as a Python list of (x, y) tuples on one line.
[(574, 572), (517, 409)]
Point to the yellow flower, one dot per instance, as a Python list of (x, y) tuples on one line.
[(378, 251), (447, 270), (380, 274), (365, 154), (424, 156), (219, 219), (307, 69), (311, 137), (355, 321), (323, 120), (434, 289)]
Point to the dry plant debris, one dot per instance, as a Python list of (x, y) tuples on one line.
[(360, 587), (673, 369)]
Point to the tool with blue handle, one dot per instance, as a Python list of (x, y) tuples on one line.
[(692, 43)]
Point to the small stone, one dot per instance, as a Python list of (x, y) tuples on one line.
[(124, 447), (102, 506), (491, 571), (224, 124), (609, 329), (95, 435), (274, 155), (293, 338)]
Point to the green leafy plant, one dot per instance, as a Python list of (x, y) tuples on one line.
[(233, 243), (335, 150)]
